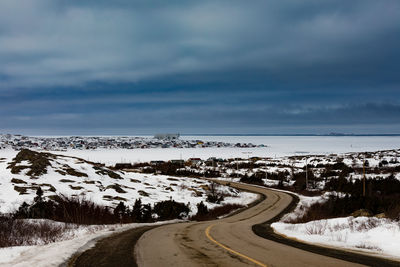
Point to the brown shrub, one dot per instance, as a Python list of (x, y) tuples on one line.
[(73, 172), (16, 232), (39, 162)]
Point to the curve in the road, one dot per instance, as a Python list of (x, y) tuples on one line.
[(266, 231), (230, 241), (187, 245), (207, 232), (233, 242)]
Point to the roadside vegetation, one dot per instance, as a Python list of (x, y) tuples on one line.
[(14, 232), (35, 221), (381, 199)]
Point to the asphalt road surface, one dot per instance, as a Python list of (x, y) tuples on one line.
[(226, 242), (229, 241)]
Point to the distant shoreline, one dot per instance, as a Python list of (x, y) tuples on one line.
[(334, 135), (192, 134)]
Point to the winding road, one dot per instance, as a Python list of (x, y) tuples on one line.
[(231, 242)]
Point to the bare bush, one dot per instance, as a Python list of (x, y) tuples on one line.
[(339, 237), (367, 246), (367, 224), (214, 194), (317, 228), (17, 232), (82, 211)]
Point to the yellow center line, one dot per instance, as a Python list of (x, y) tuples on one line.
[(231, 250)]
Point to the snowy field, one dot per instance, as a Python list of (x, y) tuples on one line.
[(74, 177), (277, 146), (97, 185)]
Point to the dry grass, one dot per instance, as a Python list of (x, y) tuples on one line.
[(367, 246), (16, 232)]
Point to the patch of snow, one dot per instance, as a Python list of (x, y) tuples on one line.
[(101, 188), (56, 253), (367, 234)]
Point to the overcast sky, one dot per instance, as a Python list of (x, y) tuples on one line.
[(136, 67)]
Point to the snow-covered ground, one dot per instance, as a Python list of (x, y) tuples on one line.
[(97, 185), (367, 234), (290, 145), (73, 176), (303, 205), (112, 156), (277, 146), (54, 254)]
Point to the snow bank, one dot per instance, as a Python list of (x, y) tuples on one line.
[(57, 253), (368, 234)]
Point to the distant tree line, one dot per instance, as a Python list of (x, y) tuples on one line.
[(82, 211)]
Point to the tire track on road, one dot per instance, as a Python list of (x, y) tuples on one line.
[(207, 232)]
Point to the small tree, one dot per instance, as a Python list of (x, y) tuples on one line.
[(147, 213), (120, 211), (201, 209), (41, 208), (214, 194), (23, 211), (137, 211), (366, 164), (171, 209), (39, 195)]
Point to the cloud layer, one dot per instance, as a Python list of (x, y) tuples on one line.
[(238, 64)]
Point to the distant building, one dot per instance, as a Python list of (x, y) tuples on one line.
[(167, 136), (177, 161), (212, 159), (156, 162), (194, 161)]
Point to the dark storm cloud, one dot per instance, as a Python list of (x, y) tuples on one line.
[(49, 44), (256, 64)]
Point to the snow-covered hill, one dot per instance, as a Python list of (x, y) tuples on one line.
[(21, 173)]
